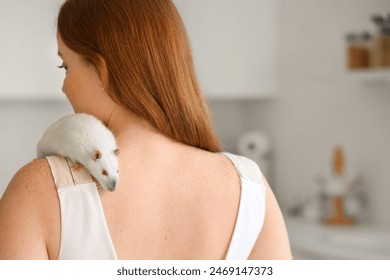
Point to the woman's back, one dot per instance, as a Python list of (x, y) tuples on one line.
[(179, 204), (173, 202)]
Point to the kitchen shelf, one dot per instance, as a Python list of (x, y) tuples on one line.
[(374, 77)]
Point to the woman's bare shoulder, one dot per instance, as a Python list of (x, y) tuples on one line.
[(273, 242), (25, 208), (32, 181)]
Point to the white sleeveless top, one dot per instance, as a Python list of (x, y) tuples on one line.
[(84, 231)]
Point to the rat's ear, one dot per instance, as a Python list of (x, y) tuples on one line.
[(96, 155), (117, 152)]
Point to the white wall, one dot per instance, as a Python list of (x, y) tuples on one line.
[(22, 124), (28, 49)]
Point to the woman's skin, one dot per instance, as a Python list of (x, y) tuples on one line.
[(173, 201)]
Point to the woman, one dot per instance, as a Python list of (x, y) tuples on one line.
[(129, 64)]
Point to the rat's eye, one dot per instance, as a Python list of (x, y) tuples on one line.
[(105, 173)]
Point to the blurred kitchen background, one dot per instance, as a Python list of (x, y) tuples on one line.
[(297, 85)]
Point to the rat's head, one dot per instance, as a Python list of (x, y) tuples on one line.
[(105, 169)]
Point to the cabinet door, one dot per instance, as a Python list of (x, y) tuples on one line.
[(234, 44), (28, 50)]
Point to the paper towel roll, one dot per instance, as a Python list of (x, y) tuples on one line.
[(254, 145)]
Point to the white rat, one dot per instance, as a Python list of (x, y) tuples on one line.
[(87, 141)]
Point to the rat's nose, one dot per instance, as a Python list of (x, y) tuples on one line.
[(112, 185)]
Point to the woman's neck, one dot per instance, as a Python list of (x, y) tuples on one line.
[(131, 130)]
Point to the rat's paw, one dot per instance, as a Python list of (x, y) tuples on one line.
[(76, 167), (97, 183)]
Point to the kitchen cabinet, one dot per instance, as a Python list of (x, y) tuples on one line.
[(28, 50), (235, 45)]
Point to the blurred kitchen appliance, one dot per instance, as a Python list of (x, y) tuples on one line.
[(256, 145)]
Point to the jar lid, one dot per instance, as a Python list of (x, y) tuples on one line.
[(351, 37), (366, 36), (378, 19)]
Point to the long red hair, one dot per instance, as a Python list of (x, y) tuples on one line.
[(147, 55)]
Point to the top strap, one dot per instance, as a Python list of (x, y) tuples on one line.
[(250, 217), (246, 168), (84, 231), (66, 173)]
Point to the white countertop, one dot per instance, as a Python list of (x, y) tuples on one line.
[(319, 241)]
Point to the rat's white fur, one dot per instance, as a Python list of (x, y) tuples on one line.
[(79, 137)]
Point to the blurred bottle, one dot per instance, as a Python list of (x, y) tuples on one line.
[(386, 41), (337, 188), (366, 49), (381, 46), (358, 50)]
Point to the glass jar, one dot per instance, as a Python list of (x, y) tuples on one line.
[(358, 50), (381, 44)]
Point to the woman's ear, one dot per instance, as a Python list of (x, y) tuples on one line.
[(103, 74)]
